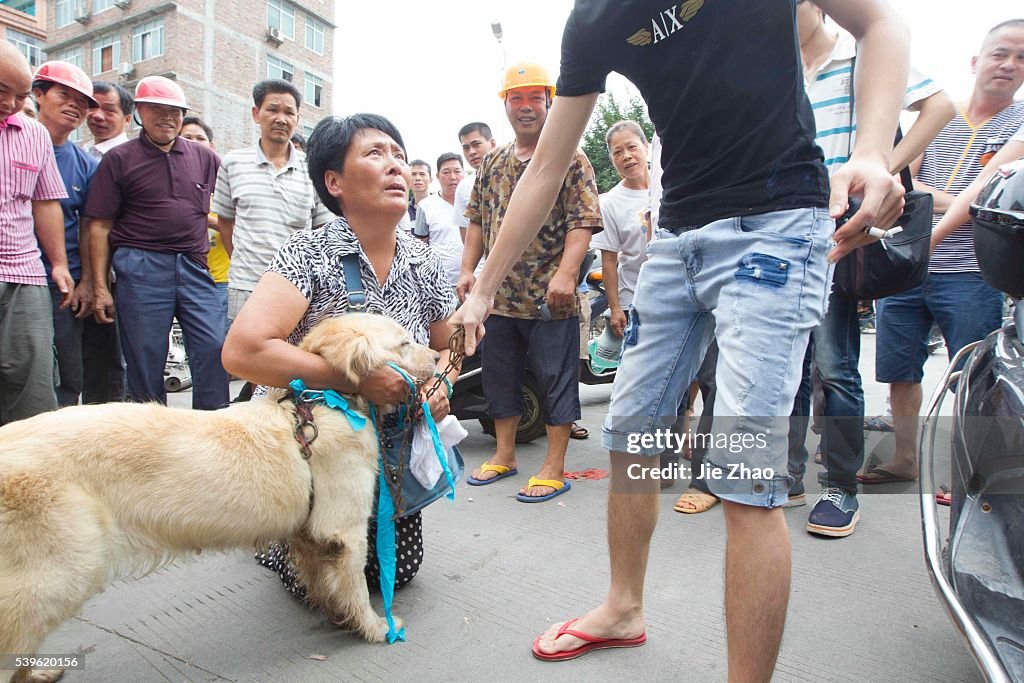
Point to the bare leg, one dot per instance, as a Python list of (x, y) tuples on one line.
[(505, 453), (757, 578), (906, 408), (554, 462), (631, 521)]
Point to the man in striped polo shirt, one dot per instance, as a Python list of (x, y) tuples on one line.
[(954, 295), (263, 193), (30, 220), (829, 60)]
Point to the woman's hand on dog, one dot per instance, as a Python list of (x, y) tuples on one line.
[(384, 386)]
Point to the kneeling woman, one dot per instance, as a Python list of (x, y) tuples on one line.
[(358, 167)]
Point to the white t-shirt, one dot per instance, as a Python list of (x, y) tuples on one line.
[(462, 192), (445, 238), (624, 232)]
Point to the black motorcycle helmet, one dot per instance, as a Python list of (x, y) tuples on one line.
[(999, 229)]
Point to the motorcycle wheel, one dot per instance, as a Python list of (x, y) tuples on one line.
[(531, 426)]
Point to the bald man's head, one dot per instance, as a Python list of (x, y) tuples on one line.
[(15, 79)]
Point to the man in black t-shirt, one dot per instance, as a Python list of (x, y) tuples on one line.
[(743, 252)]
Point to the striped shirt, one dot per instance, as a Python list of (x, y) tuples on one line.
[(829, 94), (28, 173), (952, 161), (267, 205)]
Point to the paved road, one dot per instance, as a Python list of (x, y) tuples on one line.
[(496, 572)]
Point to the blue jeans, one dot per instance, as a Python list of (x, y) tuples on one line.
[(153, 288), (835, 349), (966, 308), (759, 285), (103, 378)]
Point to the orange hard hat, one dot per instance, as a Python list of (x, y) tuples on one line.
[(525, 75), (160, 90), (66, 74)]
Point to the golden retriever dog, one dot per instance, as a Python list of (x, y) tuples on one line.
[(93, 493)]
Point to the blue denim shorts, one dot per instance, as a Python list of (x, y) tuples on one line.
[(759, 284), (965, 306)]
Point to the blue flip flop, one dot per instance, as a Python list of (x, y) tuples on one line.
[(559, 487), (488, 467)]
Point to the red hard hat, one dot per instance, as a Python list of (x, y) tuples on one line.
[(69, 75), (160, 90)]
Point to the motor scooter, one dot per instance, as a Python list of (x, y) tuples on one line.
[(605, 345), (977, 562)]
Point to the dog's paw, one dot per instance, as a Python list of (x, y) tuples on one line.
[(377, 630), (44, 675)]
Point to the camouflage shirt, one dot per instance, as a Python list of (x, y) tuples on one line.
[(522, 292)]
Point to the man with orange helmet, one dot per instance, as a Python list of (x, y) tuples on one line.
[(149, 201), (30, 224), (64, 95), (536, 318)]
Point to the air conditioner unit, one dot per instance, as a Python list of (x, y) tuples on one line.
[(83, 17), (126, 69), (123, 4), (274, 34)]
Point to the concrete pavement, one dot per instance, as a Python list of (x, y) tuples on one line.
[(497, 572)]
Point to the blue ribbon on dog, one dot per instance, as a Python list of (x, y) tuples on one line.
[(434, 436), (387, 557), (331, 399)]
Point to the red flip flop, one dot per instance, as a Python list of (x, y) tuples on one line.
[(593, 643)]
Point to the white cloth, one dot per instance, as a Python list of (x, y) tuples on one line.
[(624, 233), (445, 238), (423, 461)]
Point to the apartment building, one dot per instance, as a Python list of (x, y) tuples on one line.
[(215, 49), (23, 23)]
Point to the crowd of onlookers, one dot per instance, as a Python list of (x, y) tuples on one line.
[(102, 246)]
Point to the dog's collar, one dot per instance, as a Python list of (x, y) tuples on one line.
[(306, 430)]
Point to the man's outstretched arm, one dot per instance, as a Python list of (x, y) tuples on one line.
[(883, 62)]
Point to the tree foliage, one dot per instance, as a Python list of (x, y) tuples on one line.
[(608, 112)]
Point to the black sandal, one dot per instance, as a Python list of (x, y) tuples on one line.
[(578, 432)]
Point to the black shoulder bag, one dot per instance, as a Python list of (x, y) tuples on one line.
[(895, 264)]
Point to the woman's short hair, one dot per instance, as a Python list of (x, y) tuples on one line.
[(328, 145), (626, 125)]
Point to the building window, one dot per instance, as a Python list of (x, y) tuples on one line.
[(148, 40), (63, 12), (314, 35), (106, 53), (24, 6), (278, 68), (100, 5), (27, 45), (307, 130), (281, 16), (314, 90), (71, 56)]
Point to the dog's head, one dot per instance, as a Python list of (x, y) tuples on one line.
[(355, 344)]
